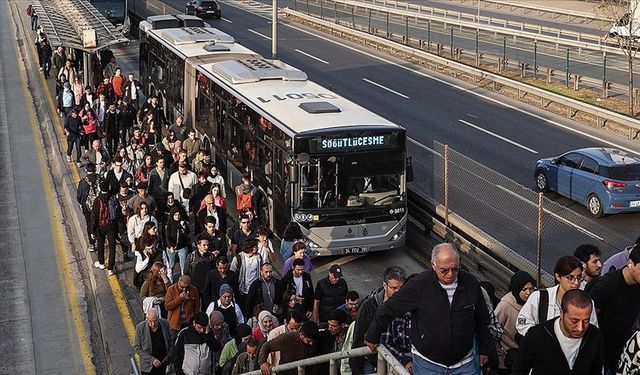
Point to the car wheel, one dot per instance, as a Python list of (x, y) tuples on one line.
[(542, 182), (594, 205)]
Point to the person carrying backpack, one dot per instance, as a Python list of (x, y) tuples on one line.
[(245, 193), (86, 195), (104, 227)]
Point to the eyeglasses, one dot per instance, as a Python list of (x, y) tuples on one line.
[(446, 271), (244, 222), (574, 278)]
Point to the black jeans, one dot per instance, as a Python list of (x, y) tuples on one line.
[(107, 232), (87, 219), (73, 141)]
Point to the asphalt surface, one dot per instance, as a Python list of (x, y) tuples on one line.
[(436, 108), (39, 325)]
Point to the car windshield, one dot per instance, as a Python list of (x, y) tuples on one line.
[(351, 180), (628, 172), (208, 4)]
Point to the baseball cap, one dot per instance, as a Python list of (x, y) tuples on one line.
[(336, 270)]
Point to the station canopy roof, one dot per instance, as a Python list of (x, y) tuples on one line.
[(76, 24)]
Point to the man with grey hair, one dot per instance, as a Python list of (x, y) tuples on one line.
[(442, 329), (153, 343), (392, 280)]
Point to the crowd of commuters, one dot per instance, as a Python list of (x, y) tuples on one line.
[(214, 305)]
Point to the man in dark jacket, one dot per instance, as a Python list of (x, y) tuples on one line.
[(216, 278), (116, 175), (127, 120), (329, 294), (567, 344), (199, 263), (617, 296), (111, 127), (392, 280), (72, 129), (460, 320), (266, 291), (195, 348), (299, 282)]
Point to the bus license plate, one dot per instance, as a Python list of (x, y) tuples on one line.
[(355, 250)]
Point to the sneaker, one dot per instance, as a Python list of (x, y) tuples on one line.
[(41, 69), (68, 159), (91, 248), (110, 273), (78, 164), (97, 264)]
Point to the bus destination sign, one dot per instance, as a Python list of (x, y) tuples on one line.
[(365, 142)]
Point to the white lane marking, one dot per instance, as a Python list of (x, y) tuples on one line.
[(226, 20), (466, 90), (499, 136), (259, 34), (470, 115), (311, 56), (385, 88), (558, 217), (423, 146)]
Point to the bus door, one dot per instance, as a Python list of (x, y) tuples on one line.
[(281, 204)]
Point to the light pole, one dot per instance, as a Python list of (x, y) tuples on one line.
[(274, 31)]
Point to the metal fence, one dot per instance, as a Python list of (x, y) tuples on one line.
[(532, 225), (574, 67)]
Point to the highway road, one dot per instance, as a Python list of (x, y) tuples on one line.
[(505, 135)]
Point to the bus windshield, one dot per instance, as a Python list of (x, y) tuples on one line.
[(352, 180)]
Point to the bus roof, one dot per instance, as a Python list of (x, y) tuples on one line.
[(286, 96), (196, 41)]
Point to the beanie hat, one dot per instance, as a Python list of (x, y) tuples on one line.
[(225, 288)]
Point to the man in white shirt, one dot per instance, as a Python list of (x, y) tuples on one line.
[(180, 181), (568, 344), (247, 265)]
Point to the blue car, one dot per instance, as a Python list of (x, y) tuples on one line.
[(605, 180)]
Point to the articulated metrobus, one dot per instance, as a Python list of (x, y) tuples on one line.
[(318, 159)]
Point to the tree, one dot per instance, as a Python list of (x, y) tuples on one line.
[(625, 32)]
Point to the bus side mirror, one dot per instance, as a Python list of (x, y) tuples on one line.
[(409, 169), (293, 173)]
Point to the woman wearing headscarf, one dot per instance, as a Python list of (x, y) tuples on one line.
[(220, 330), (521, 286), (266, 322)]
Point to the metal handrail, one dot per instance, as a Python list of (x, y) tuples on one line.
[(385, 359), (135, 370), (599, 113)]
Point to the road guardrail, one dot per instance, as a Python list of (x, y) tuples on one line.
[(558, 37), (570, 14)]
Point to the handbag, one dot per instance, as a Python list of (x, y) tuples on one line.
[(186, 192)]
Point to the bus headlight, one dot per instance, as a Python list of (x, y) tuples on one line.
[(399, 233), (312, 245)]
